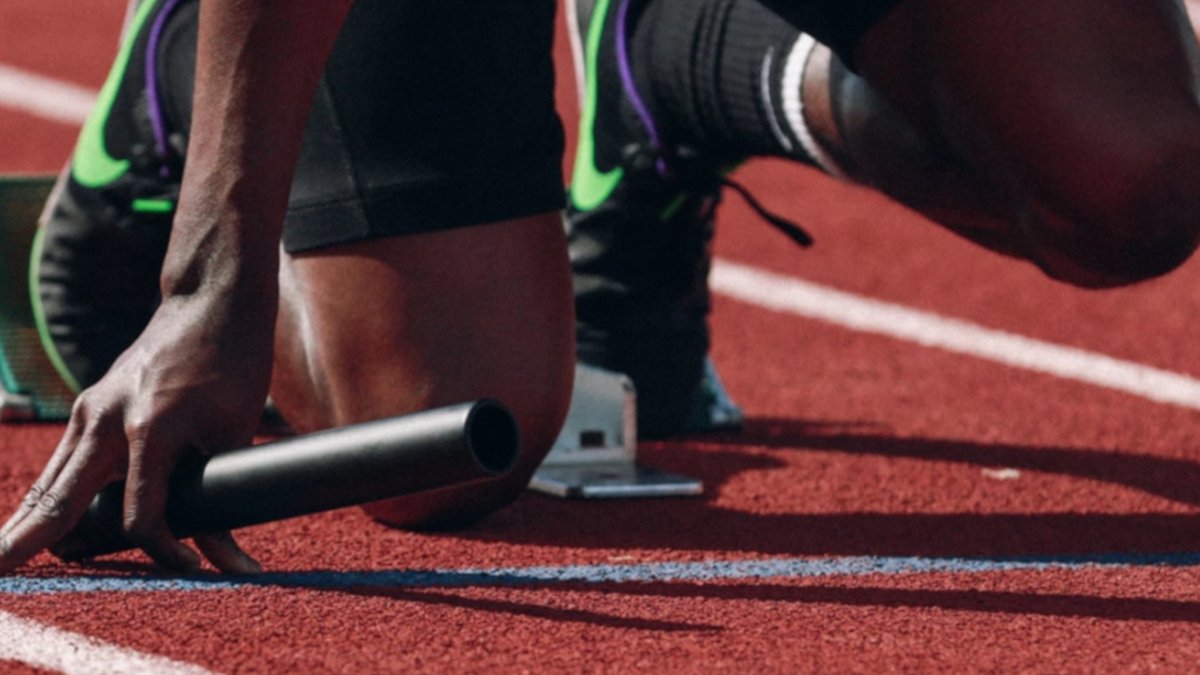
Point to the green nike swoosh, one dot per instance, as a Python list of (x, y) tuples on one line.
[(589, 185), (91, 165)]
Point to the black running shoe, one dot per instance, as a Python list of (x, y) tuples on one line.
[(99, 251), (640, 227)]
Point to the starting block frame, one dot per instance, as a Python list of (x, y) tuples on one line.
[(595, 456)]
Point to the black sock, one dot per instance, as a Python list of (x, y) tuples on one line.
[(712, 72)]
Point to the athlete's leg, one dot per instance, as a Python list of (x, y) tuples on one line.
[(675, 92), (400, 324), (640, 238), (1064, 133), (426, 258), (1082, 117), (865, 139), (1058, 136)]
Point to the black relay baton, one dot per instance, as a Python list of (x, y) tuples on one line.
[(315, 472)]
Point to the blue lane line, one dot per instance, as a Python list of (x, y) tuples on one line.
[(599, 574)]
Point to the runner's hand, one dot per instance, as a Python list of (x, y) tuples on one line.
[(195, 380)]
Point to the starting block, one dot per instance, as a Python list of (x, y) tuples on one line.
[(30, 387), (595, 456)]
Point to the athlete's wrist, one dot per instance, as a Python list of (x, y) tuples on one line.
[(221, 254)]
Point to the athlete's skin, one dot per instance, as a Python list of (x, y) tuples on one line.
[(355, 332), (1066, 133)]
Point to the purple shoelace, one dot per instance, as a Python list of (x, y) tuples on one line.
[(626, 71), (157, 116)]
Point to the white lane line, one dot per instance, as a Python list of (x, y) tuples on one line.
[(696, 571), (44, 97), (794, 296), (43, 646)]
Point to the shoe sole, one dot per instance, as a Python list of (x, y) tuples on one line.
[(30, 387)]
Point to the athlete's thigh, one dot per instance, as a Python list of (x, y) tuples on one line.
[(1027, 92)]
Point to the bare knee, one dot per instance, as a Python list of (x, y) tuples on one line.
[(402, 324), (1141, 221), (539, 418)]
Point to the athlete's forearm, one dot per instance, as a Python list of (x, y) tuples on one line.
[(258, 63)]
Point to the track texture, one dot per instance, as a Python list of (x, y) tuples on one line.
[(857, 445)]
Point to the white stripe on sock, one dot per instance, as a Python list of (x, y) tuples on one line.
[(793, 105), (768, 104)]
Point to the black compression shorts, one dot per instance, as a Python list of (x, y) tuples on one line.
[(432, 114)]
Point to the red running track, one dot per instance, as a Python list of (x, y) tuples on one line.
[(858, 445)]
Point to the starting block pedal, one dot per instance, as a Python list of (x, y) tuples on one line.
[(595, 456), (30, 387)]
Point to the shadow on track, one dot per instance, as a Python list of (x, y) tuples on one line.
[(703, 525), (969, 600)]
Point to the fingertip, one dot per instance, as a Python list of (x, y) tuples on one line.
[(173, 555), (252, 565), (237, 563), (223, 551), (246, 565), (7, 562)]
